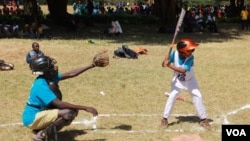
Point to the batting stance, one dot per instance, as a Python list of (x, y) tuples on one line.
[(182, 61), (45, 112)]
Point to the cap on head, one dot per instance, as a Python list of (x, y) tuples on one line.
[(42, 64), (186, 44)]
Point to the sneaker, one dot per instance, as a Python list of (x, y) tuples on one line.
[(164, 122), (204, 123), (40, 136)]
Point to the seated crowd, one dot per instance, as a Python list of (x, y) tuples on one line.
[(11, 28), (199, 21)]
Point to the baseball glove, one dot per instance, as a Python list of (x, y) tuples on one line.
[(101, 59)]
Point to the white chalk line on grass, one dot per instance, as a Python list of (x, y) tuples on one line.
[(140, 115), (225, 121), (89, 122), (108, 131), (107, 115), (11, 124)]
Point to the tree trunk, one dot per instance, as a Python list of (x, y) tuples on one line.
[(58, 10), (232, 3), (166, 9)]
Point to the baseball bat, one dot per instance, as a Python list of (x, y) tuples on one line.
[(179, 98), (177, 28)]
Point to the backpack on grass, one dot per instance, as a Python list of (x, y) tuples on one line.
[(125, 52), (5, 66)]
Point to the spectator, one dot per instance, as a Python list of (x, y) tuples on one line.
[(79, 8), (25, 31), (18, 10), (189, 22), (244, 15), (199, 23), (211, 24), (14, 29), (34, 53), (248, 17), (5, 29), (6, 10), (39, 32), (90, 7), (12, 11), (115, 29)]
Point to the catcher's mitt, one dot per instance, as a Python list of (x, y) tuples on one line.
[(101, 59)]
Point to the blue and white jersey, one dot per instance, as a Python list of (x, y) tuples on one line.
[(186, 64)]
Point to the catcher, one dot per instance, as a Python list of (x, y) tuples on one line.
[(45, 112)]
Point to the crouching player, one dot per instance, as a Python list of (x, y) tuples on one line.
[(45, 112)]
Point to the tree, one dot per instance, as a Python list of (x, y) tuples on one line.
[(166, 10), (58, 10)]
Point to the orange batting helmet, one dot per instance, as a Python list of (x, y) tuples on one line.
[(186, 45)]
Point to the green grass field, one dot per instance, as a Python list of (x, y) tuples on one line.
[(133, 104)]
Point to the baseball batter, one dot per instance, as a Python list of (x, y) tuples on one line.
[(182, 61)]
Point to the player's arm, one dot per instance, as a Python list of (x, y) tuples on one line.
[(168, 59), (186, 67), (177, 69), (165, 61), (76, 72), (65, 105)]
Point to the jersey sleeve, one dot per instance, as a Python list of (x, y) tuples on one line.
[(46, 95), (58, 78), (41, 94), (171, 57), (28, 57), (189, 63)]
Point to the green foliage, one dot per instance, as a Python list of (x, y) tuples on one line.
[(19, 19), (205, 2), (9, 19), (111, 1)]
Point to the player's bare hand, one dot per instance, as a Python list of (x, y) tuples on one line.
[(92, 110), (165, 62)]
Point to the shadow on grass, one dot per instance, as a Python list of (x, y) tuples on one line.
[(123, 127), (148, 34), (70, 135), (189, 119)]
